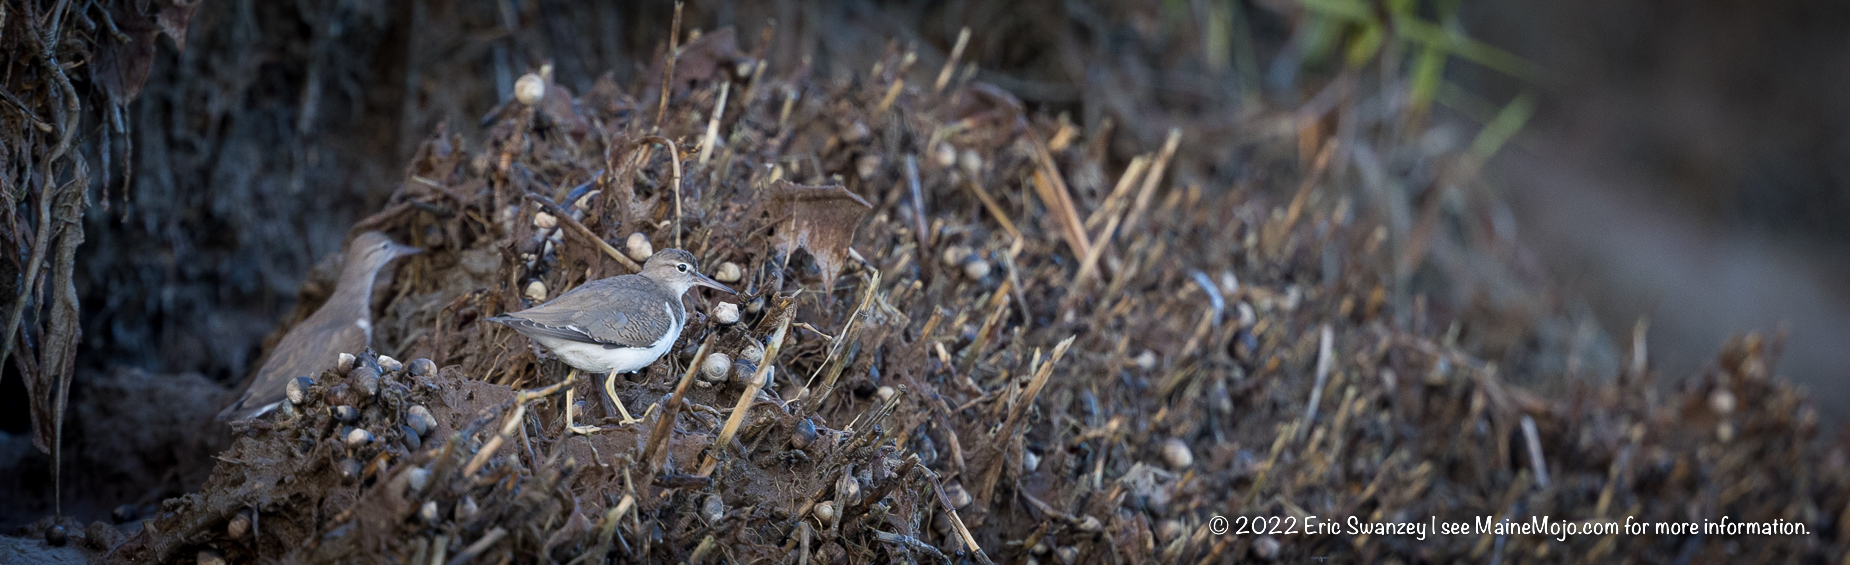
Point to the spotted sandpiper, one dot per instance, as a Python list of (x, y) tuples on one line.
[(342, 325), (615, 325)]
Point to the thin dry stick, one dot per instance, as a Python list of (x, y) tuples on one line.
[(1006, 434), (440, 546), (1111, 226), (1324, 355), (1114, 204), (957, 52), (1021, 300), (712, 137), (488, 540), (892, 94), (1150, 181), (790, 102), (931, 325), (995, 209), (674, 160), (608, 531), (840, 343), (751, 90), (1302, 198), (580, 229), (666, 422), (956, 521), (1052, 190), (751, 392), (918, 208), (803, 548), (1271, 462), (494, 443), (733, 422), (700, 552), (673, 55), (1535, 450), (513, 422), (998, 307)]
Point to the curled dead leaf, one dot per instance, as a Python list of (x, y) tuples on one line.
[(122, 66), (174, 18), (820, 219)]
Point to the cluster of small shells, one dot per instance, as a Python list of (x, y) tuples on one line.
[(363, 406), (547, 237), (719, 368), (971, 263)]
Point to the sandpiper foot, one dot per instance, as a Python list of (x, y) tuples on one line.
[(610, 388), (571, 407)]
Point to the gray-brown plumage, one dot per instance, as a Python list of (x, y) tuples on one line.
[(342, 325), (618, 324)]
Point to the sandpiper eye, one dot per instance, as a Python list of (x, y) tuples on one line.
[(682, 267)]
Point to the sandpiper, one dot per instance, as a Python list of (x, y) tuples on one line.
[(615, 325), (342, 325)]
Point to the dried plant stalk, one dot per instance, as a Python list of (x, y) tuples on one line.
[(751, 391), (950, 64), (1154, 178), (836, 361), (1324, 355), (674, 182), (1004, 436), (666, 422), (580, 229), (712, 137)]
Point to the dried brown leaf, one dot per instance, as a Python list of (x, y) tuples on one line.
[(175, 18), (820, 219), (121, 67)]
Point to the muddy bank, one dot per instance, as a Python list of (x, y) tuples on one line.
[(970, 358), (1002, 333)]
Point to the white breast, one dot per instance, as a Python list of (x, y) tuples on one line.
[(594, 358)]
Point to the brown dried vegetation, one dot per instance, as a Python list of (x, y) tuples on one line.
[(993, 364)]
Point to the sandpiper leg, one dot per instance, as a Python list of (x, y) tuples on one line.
[(571, 406), (610, 388)]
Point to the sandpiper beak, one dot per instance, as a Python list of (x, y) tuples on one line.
[(401, 250), (703, 280)]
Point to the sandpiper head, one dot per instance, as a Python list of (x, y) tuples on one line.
[(374, 249), (675, 268)]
